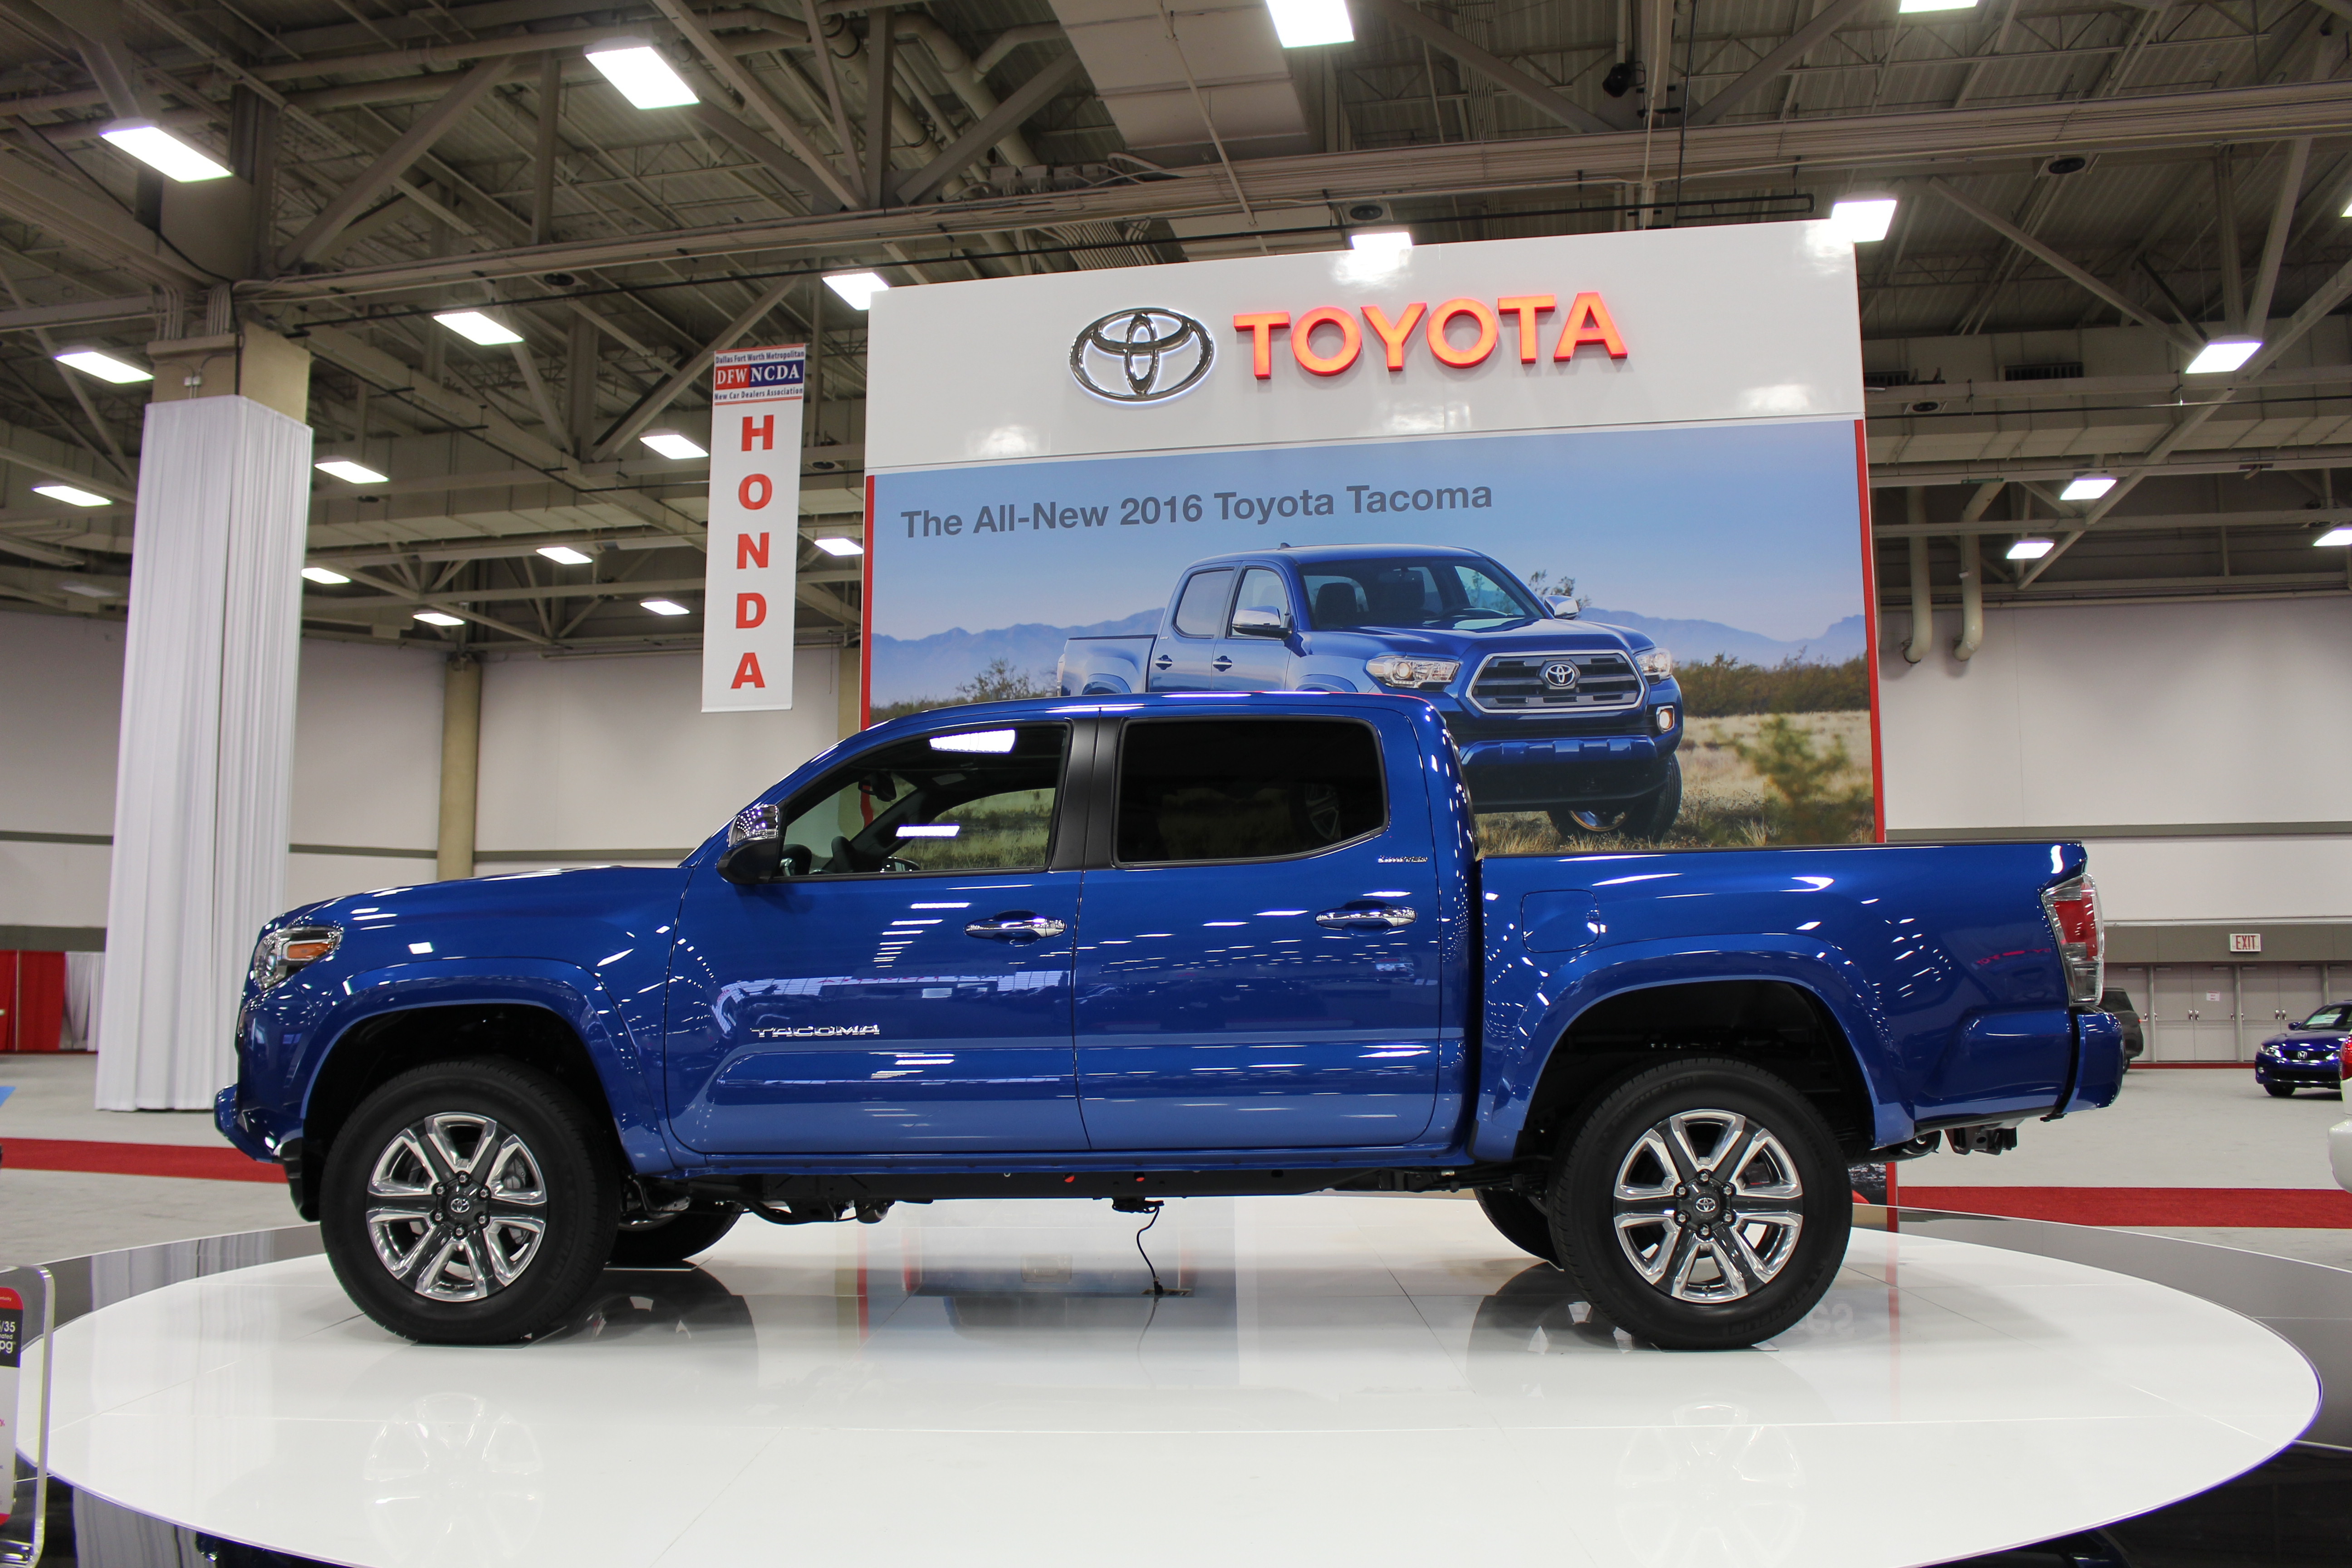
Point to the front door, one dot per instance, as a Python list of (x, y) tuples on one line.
[(1259, 968), (904, 986)]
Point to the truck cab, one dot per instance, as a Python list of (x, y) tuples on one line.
[(1550, 712)]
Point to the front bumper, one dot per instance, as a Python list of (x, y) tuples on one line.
[(2326, 1073), (1568, 769), (232, 1124)]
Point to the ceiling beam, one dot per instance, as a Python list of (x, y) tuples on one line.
[(1799, 44), (2068, 270), (758, 98), (650, 406), (2166, 522), (1018, 105), (76, 313), (1403, 15)]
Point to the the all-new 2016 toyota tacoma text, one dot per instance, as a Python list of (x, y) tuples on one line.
[(1150, 947), (1549, 712)]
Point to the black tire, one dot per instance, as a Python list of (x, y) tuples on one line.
[(672, 1238), (2279, 1090), (1522, 1223), (406, 1183), (1701, 1301), (1646, 817)]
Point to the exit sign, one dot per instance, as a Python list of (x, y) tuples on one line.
[(2245, 942)]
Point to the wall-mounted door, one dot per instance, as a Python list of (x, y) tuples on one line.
[(2194, 1016), (2276, 998)]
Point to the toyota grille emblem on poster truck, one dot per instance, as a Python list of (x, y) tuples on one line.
[(754, 539)]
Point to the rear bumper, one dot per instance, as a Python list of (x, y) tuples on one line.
[(1504, 774)]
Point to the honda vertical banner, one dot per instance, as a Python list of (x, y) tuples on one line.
[(755, 507), (1599, 499)]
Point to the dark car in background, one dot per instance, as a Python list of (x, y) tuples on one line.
[(2310, 1055), (2116, 1000)]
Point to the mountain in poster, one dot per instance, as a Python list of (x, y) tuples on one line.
[(935, 666)]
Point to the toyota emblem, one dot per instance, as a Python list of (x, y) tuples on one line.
[(1147, 355), (1559, 675)]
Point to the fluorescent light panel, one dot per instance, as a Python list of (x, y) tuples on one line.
[(1862, 219), (670, 443), (564, 555), (351, 473), (2087, 487), (88, 590), (436, 618), (1380, 240), (643, 77), (474, 327), (839, 546), (1306, 23), (2334, 536), (103, 365), (857, 288), (163, 152), (1909, 7), (2031, 549), (325, 575), (73, 495), (665, 606), (2224, 354)]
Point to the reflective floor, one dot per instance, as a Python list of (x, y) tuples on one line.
[(1363, 1380)]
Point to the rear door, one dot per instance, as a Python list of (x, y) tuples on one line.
[(1259, 967), (1188, 658), (1255, 663)]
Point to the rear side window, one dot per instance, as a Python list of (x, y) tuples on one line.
[(1202, 607), (1246, 789)]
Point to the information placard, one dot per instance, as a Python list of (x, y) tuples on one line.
[(755, 490)]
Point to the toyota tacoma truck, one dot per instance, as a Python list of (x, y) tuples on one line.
[(1148, 948), (1549, 712)]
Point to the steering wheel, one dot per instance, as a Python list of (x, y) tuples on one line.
[(843, 859)]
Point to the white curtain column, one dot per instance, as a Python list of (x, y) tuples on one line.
[(204, 766)]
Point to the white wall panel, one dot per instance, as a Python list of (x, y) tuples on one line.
[(599, 754), (60, 711), (53, 884), (367, 748), (2209, 879)]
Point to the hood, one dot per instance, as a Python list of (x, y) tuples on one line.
[(1510, 636)]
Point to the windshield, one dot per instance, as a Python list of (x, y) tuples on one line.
[(1408, 591), (2335, 1017)]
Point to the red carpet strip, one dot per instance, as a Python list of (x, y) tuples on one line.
[(2279, 1208), (222, 1165)]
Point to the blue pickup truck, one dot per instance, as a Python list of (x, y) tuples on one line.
[(1550, 713), (1151, 948)]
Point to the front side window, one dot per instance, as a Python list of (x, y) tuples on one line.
[(1246, 789), (1202, 607), (1429, 593), (1263, 590), (977, 800)]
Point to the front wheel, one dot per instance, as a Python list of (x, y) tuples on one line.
[(1701, 1205), (1522, 1223), (469, 1202), (1646, 817), (672, 1238), (2279, 1090)]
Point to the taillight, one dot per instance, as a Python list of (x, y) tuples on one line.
[(2074, 909)]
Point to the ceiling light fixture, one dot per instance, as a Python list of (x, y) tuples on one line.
[(2087, 487), (476, 327), (1911, 7), (564, 555), (1305, 24), (1861, 220), (2031, 549), (1380, 240), (665, 606), (163, 152), (72, 495), (103, 365), (857, 288), (2224, 354), (88, 590), (351, 473), (325, 575), (672, 443), (839, 546), (2339, 534), (643, 77), (436, 618)]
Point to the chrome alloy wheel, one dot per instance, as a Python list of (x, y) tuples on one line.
[(1708, 1206), (457, 1206)]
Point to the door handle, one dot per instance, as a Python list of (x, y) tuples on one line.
[(1221, 664), (1163, 662), (1018, 925), (1366, 917)]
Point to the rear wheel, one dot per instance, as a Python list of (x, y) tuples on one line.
[(1523, 1224), (469, 1203), (1646, 817), (672, 1238), (1701, 1205), (2279, 1090)]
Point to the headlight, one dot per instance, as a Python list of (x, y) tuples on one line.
[(281, 953), (1395, 669), (1654, 663)]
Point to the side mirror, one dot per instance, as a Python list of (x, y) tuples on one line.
[(1565, 609), (1260, 621), (755, 846)]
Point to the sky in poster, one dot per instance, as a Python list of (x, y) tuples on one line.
[(1755, 525)]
